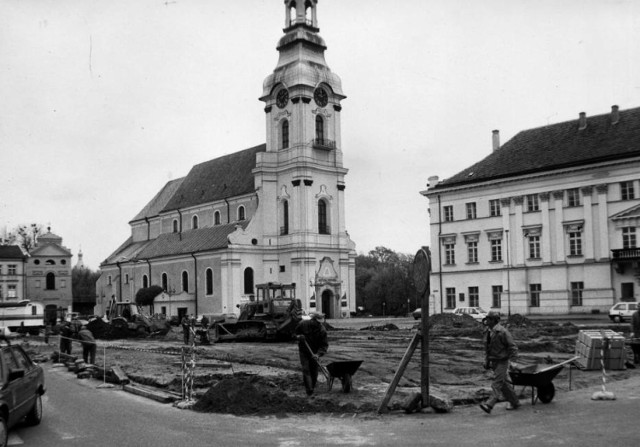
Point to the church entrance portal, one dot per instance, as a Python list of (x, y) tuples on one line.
[(327, 304)]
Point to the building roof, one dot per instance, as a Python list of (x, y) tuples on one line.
[(160, 200), (11, 252), (216, 179), (557, 146)]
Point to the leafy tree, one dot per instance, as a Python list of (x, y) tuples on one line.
[(83, 284), (145, 296)]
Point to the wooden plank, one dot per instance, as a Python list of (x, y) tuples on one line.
[(396, 378)]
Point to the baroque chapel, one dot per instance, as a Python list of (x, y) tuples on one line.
[(270, 213)]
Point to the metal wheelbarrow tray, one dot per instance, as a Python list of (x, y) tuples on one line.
[(540, 379), (344, 371)]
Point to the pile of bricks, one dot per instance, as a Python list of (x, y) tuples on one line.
[(593, 346)]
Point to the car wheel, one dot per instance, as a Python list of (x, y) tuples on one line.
[(35, 415), (4, 432), (617, 319)]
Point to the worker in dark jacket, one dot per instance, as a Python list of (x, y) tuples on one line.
[(65, 338), (186, 328), (499, 351), (312, 344), (88, 345)]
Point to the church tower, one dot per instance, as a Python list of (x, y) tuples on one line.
[(301, 173)]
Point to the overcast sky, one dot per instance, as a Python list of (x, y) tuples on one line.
[(103, 101)]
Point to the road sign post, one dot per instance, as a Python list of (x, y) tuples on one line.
[(421, 271)]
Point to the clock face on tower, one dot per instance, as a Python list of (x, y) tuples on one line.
[(282, 98), (320, 96)]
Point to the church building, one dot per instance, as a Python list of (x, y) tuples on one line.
[(270, 213)]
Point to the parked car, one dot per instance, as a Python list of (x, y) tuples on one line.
[(21, 388), (417, 314), (622, 311), (477, 313)]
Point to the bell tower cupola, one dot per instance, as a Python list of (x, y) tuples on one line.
[(302, 96)]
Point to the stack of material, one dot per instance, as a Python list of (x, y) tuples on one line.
[(589, 347)]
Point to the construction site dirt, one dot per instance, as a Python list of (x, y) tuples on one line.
[(264, 377)]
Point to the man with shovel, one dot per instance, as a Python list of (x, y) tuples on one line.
[(312, 344)]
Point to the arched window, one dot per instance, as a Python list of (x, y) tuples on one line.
[(145, 281), (285, 217), (209, 284), (241, 215), (323, 228), (248, 281), (319, 129), (165, 282), (175, 225), (285, 134), (216, 218), (50, 262), (185, 282), (292, 13), (194, 222), (51, 281)]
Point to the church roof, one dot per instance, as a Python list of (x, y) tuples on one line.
[(11, 252), (557, 146), (216, 179), (160, 200)]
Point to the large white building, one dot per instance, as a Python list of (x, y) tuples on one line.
[(546, 223), (274, 212)]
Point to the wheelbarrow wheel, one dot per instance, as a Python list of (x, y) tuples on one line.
[(346, 383), (546, 392)]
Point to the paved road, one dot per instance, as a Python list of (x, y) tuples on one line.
[(78, 412)]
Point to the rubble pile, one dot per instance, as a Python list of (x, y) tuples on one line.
[(384, 327)]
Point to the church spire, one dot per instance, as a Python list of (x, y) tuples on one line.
[(301, 12)]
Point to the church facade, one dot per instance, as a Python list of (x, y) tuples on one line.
[(270, 213)]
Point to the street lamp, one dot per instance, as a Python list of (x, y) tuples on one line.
[(508, 277)]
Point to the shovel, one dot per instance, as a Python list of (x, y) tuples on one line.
[(323, 369)]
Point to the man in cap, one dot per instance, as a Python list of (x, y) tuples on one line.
[(499, 351), (312, 344), (88, 345)]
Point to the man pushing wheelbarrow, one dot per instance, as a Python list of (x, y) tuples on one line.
[(312, 344)]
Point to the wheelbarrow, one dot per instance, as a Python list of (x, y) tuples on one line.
[(343, 370), (540, 379)]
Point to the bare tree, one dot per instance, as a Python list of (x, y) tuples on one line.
[(25, 236)]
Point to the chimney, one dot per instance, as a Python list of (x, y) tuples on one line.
[(582, 122), (432, 181), (615, 115), (496, 140)]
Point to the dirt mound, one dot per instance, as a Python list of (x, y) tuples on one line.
[(384, 327), (518, 320), (245, 394), (452, 320)]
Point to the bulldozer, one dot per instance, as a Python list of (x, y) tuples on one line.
[(126, 319), (271, 315)]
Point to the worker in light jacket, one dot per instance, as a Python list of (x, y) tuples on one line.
[(312, 344), (500, 349)]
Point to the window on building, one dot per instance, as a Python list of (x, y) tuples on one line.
[(209, 282), (285, 217), (450, 296), (37, 284), (534, 247), (629, 237), (323, 227), (575, 243), (534, 295), (50, 281), (194, 222), (472, 252), (126, 278), (532, 202), (319, 129), (449, 254), (109, 280), (63, 283), (185, 281), (12, 291), (471, 210), (627, 191), (496, 296), (496, 250), (285, 134), (248, 281), (216, 218), (241, 215), (165, 282), (50, 262), (474, 296), (175, 225), (494, 208), (12, 269), (576, 293), (448, 213), (573, 197), (145, 281)]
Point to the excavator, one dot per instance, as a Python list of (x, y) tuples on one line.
[(272, 315), (126, 319)]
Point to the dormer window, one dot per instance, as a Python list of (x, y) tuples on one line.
[(241, 215), (194, 222), (175, 225)]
